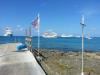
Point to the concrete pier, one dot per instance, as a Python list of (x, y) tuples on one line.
[(18, 63)]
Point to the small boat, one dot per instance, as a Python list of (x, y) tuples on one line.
[(88, 37)]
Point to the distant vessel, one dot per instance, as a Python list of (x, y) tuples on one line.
[(77, 36), (8, 32), (64, 35), (49, 35), (88, 37)]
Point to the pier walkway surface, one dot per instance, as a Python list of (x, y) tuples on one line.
[(18, 63)]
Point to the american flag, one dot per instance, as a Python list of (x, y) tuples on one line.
[(36, 22)]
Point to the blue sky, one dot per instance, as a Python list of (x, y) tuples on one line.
[(61, 16)]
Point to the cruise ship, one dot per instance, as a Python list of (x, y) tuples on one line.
[(8, 32), (64, 35), (49, 35)]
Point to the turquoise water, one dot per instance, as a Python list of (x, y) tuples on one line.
[(66, 44)]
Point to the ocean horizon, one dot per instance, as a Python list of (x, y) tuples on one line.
[(63, 44)]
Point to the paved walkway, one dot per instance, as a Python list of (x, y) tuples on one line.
[(17, 63)]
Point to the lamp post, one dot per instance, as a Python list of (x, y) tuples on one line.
[(82, 25)]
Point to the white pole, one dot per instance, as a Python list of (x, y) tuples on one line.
[(38, 33), (38, 40), (82, 50), (82, 24)]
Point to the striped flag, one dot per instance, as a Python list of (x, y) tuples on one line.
[(36, 22)]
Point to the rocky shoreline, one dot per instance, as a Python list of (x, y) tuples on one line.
[(69, 63)]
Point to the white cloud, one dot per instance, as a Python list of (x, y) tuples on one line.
[(18, 26), (21, 29), (89, 12)]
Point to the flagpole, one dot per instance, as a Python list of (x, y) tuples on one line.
[(38, 33), (82, 49), (36, 24), (38, 40)]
